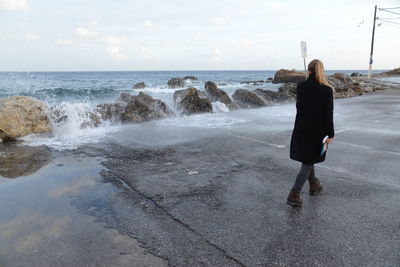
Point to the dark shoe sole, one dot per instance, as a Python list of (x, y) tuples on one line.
[(294, 204), (316, 192)]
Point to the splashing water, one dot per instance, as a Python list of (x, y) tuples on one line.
[(73, 125)]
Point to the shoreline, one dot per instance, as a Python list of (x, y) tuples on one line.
[(111, 113)]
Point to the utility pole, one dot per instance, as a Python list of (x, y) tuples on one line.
[(372, 46)]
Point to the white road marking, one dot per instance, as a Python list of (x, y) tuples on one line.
[(343, 130), (257, 141), (368, 148)]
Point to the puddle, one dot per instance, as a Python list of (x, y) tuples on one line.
[(40, 225), (17, 161)]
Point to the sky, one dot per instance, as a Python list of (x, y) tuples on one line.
[(100, 35)]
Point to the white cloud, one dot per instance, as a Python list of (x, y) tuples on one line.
[(63, 42), (30, 36), (219, 21), (113, 40), (148, 54), (85, 32), (217, 54), (115, 52), (14, 5), (148, 24)]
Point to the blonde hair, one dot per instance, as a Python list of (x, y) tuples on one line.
[(317, 68)]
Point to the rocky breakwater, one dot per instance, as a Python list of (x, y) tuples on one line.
[(21, 116), (343, 84), (133, 109), (394, 72), (347, 86)]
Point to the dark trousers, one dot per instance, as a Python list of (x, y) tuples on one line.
[(306, 173)]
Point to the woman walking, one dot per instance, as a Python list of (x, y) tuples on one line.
[(314, 121)]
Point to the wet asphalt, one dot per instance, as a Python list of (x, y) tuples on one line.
[(217, 197)]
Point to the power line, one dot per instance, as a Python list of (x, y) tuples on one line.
[(388, 18), (389, 8), (398, 27), (381, 9), (390, 21)]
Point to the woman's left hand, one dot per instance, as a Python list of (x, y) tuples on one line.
[(329, 141)]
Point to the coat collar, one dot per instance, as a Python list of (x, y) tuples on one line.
[(311, 77)]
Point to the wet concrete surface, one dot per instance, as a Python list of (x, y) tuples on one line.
[(219, 199), (169, 193)]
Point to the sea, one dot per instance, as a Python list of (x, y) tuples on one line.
[(75, 93)]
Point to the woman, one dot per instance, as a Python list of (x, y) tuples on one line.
[(314, 121)]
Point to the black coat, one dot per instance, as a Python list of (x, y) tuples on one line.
[(314, 121)]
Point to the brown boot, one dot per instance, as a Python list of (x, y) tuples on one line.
[(315, 187), (294, 198)]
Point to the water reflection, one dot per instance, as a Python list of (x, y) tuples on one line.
[(16, 161)]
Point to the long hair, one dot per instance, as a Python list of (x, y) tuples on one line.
[(317, 68)]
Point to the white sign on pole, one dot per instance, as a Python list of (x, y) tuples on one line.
[(303, 49)]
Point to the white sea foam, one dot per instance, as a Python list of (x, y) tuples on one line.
[(158, 90), (69, 133), (219, 107), (206, 120)]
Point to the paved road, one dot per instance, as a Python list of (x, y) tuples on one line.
[(215, 196)]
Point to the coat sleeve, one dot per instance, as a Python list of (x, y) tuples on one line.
[(329, 115), (299, 98)]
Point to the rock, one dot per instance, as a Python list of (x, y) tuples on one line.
[(248, 99), (289, 88), (337, 84), (378, 87), (190, 102), (288, 76), (110, 111), (193, 78), (21, 116), (57, 115), (272, 97), (216, 94), (91, 120), (176, 83), (344, 78), (269, 79), (140, 85), (125, 97), (180, 93), (368, 89), (355, 74), (393, 72), (143, 107), (358, 90)]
